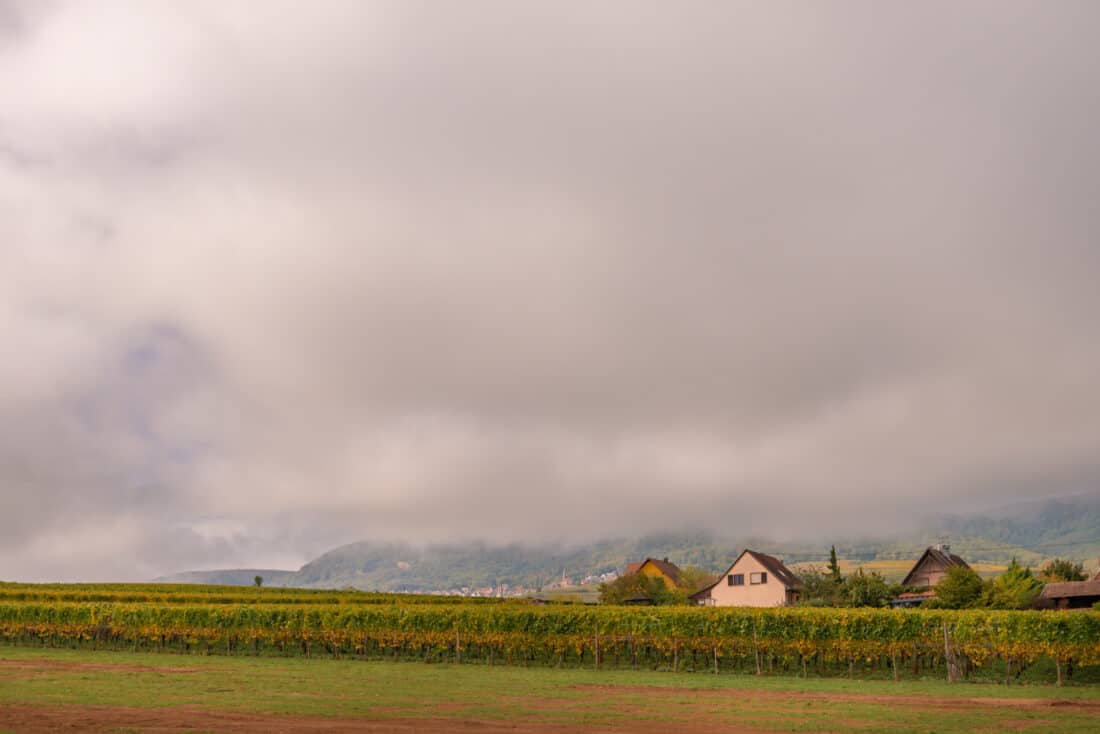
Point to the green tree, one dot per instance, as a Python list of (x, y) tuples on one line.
[(259, 581), (818, 589), (1016, 588), (693, 578), (1061, 569), (834, 566), (636, 586), (961, 588), (866, 590)]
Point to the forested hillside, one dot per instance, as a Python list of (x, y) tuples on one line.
[(1069, 529)]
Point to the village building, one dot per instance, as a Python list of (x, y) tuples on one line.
[(753, 580), (652, 568), (656, 568), (1072, 594), (928, 571)]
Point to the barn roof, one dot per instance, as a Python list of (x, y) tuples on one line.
[(1066, 589), (941, 556)]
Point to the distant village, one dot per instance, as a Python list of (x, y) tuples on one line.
[(503, 591), (757, 579)]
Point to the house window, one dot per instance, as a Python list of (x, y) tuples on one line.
[(758, 578), (736, 579)]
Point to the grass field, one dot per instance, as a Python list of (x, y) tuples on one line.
[(45, 690)]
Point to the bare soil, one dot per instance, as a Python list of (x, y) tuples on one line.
[(39, 719), (17, 665), (923, 702)]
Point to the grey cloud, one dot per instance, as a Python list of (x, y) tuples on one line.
[(538, 272)]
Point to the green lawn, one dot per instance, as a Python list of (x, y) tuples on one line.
[(379, 690)]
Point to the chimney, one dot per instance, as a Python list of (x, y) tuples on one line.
[(666, 559)]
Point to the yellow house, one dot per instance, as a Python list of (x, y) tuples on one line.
[(754, 580), (656, 568)]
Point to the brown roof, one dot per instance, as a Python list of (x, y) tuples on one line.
[(1071, 588), (775, 568), (668, 569), (944, 558)]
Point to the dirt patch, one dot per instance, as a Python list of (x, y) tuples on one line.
[(924, 702), (34, 719), (62, 665)]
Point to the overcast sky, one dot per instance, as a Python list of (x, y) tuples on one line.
[(277, 276)]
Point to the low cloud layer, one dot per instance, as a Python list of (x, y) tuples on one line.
[(278, 277)]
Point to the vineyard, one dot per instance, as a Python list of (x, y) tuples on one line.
[(198, 594), (852, 642)]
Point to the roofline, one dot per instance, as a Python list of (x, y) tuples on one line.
[(657, 562), (737, 560), (927, 552)]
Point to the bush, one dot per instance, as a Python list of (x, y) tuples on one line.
[(961, 588)]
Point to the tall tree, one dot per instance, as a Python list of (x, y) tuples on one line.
[(834, 567), (1061, 569)]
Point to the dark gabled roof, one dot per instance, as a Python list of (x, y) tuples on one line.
[(944, 558), (1066, 589), (775, 568), (668, 569)]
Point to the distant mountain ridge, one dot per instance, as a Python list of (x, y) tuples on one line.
[(229, 577), (1059, 528)]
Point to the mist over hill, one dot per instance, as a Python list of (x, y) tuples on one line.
[(230, 577), (1067, 528)]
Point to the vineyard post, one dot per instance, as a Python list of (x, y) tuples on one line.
[(458, 648), (755, 648), (1058, 667), (947, 659), (716, 660)]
